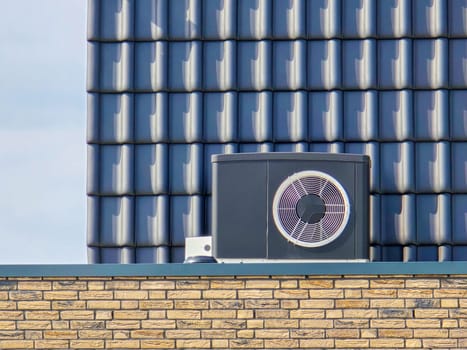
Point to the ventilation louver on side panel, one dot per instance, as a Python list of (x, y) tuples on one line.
[(311, 209)]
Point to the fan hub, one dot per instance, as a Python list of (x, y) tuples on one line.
[(311, 209)]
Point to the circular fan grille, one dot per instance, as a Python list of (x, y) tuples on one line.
[(311, 208)]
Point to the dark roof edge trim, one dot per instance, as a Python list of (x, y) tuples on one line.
[(256, 269)]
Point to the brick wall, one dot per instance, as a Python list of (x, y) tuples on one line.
[(234, 312)]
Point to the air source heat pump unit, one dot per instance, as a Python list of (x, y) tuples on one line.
[(282, 206)]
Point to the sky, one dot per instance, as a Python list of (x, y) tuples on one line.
[(42, 132)]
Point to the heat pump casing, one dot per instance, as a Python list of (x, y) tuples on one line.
[(244, 187)]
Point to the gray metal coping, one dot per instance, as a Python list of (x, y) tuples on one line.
[(240, 269), (309, 156)]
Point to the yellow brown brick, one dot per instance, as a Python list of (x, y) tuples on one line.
[(51, 344), (147, 333), (191, 304), (385, 283), (94, 334), (333, 313), (271, 333), (255, 294), (352, 303), (192, 284), (28, 334), (206, 314), (252, 324), (439, 343), (218, 334), (77, 315), (69, 285), (227, 284), (246, 343), (67, 305), (262, 304), (219, 294), (183, 334), (156, 304), (387, 343), (226, 304), (289, 284), (342, 333), (194, 324), (125, 285), (103, 304), (131, 294), (123, 324), (130, 315), (147, 285), (158, 324), (96, 295), (129, 304), (103, 315), (281, 343), (41, 315), (423, 323), (352, 323), (291, 294), (34, 285), (351, 343), (431, 313), (60, 334), (280, 323), (415, 293), (316, 284), (307, 333), (16, 344), (8, 285), (388, 323), (193, 343), (122, 344), (183, 294), (60, 324), (326, 293), (266, 313), (316, 323), (87, 344), (87, 325), (413, 343), (219, 343), (25, 295), (262, 284), (351, 283), (387, 303), (430, 333), (316, 343), (11, 315), (229, 324), (395, 333), (157, 344), (245, 333), (422, 303), (183, 314)]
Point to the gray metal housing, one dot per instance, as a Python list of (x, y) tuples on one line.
[(172, 82), (244, 186)]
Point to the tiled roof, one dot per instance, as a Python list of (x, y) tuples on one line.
[(172, 82)]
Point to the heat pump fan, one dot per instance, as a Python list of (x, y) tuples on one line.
[(283, 206), (311, 208)]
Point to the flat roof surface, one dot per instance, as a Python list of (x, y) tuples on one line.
[(243, 269)]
